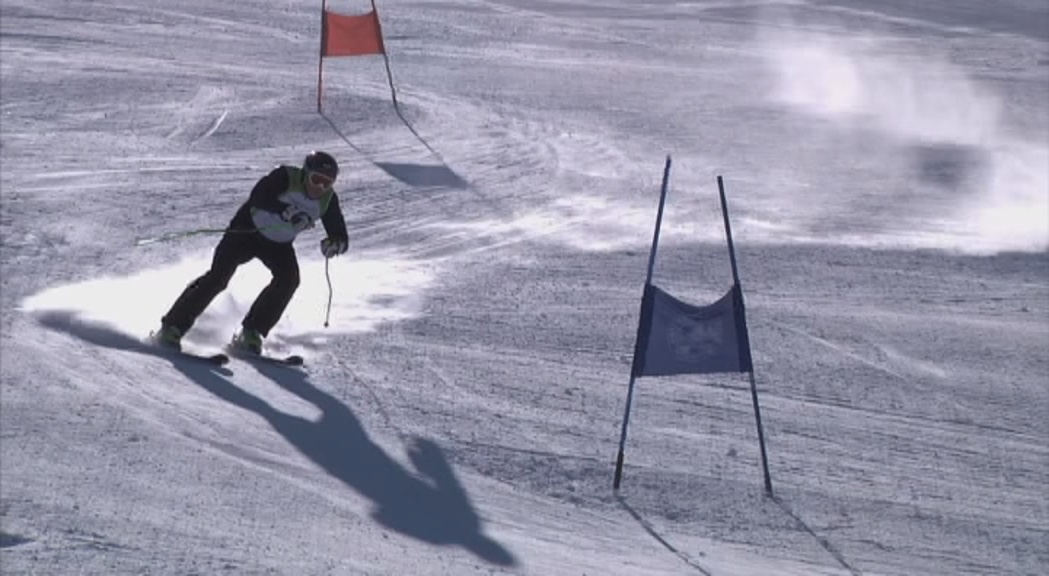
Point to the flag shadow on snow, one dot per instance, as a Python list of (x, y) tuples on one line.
[(423, 175), (412, 174), (428, 504)]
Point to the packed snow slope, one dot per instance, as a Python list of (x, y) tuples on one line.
[(887, 169)]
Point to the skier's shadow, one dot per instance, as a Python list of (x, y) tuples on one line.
[(430, 506), (103, 335)]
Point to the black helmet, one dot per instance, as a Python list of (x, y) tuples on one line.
[(323, 163)]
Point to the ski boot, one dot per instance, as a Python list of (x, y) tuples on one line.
[(169, 337), (249, 341)]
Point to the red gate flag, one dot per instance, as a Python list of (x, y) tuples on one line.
[(343, 35)]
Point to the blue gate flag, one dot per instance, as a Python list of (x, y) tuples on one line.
[(680, 338)]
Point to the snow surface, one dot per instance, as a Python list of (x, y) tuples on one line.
[(887, 167)]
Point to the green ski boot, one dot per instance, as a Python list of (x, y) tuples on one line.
[(169, 337), (249, 341)]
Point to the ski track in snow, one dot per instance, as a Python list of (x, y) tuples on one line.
[(886, 171)]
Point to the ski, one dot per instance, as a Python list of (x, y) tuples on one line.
[(291, 360), (218, 358)]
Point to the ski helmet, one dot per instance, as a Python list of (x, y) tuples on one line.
[(322, 163)]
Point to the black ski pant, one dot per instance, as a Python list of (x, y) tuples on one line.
[(236, 248)]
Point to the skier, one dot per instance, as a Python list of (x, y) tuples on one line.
[(282, 204)]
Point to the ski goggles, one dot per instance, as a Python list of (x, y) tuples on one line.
[(320, 180)]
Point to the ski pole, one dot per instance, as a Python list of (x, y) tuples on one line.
[(185, 234), (327, 276), (199, 231)]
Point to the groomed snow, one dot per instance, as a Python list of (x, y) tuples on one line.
[(887, 168)]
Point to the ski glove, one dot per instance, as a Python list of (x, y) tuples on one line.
[(298, 219), (331, 247)]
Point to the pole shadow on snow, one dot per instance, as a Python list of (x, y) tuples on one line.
[(428, 504), (651, 530)]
